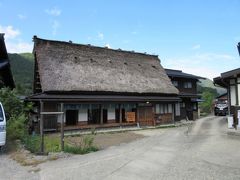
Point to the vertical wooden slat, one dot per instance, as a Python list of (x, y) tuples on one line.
[(101, 114), (62, 128), (41, 128), (120, 114)]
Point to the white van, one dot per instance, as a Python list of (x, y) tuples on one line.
[(2, 126)]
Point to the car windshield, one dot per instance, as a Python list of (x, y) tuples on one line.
[(1, 114)]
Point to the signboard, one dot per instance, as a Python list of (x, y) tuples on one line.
[(131, 117)]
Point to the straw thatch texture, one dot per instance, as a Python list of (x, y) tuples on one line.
[(66, 66)]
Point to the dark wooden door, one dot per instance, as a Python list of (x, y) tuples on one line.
[(145, 116), (71, 117)]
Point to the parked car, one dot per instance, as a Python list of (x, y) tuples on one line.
[(221, 108), (2, 127)]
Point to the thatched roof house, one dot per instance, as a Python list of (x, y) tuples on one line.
[(65, 66), (6, 78), (100, 86)]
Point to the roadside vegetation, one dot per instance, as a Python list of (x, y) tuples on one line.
[(208, 95), (17, 113)]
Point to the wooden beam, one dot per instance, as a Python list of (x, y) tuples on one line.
[(62, 128), (51, 113), (41, 128)]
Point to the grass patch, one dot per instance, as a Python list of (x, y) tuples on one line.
[(79, 150), (52, 144)]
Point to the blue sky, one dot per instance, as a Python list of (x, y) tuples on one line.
[(199, 37)]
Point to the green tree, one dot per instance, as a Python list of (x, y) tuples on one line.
[(206, 105)]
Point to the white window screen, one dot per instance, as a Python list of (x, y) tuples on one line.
[(169, 108), (157, 109)]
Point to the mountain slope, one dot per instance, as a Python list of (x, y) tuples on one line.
[(22, 68), (209, 83)]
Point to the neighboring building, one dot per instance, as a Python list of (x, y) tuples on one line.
[(101, 87), (187, 86), (231, 81), (6, 78)]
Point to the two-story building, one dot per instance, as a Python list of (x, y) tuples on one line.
[(187, 86)]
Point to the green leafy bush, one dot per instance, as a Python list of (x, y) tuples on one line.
[(16, 127), (16, 114), (33, 142)]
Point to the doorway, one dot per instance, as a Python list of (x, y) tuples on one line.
[(145, 116), (71, 117)]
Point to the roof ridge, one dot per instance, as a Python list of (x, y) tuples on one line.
[(89, 45)]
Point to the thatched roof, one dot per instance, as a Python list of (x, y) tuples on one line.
[(65, 66)]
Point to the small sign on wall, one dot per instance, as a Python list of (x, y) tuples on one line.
[(131, 116)]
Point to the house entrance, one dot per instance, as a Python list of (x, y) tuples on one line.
[(71, 117), (145, 116)]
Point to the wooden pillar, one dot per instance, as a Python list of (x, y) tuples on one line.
[(236, 89), (173, 113), (120, 114), (101, 114), (229, 100), (153, 114), (41, 128), (62, 128)]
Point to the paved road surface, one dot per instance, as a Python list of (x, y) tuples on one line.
[(203, 151)]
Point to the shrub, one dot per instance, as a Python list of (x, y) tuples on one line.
[(33, 142), (16, 113), (16, 127), (85, 145), (12, 104)]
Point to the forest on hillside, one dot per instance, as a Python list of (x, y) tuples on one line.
[(22, 66)]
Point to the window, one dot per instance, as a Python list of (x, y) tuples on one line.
[(1, 115), (175, 83), (195, 106), (163, 108), (182, 104), (187, 85), (177, 109)]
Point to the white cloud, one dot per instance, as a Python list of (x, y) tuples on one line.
[(55, 26), (9, 31), (100, 36), (207, 65), (107, 45), (21, 16), (54, 11), (197, 46), (134, 32), (13, 43), (19, 47)]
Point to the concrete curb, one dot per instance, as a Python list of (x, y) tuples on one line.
[(124, 129)]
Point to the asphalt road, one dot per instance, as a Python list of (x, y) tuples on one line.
[(201, 151)]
